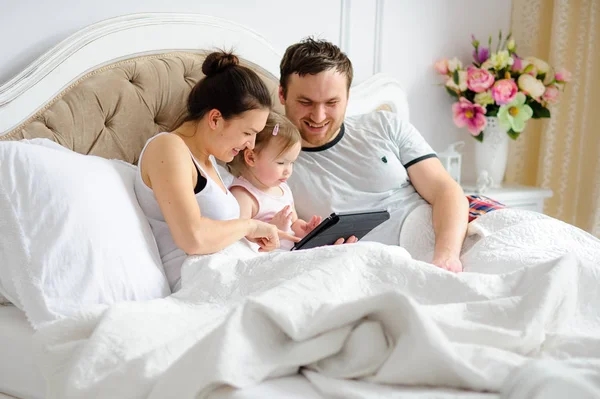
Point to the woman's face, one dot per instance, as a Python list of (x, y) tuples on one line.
[(238, 133)]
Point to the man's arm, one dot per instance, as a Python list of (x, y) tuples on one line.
[(450, 210)]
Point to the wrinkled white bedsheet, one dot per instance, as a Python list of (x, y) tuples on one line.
[(366, 312)]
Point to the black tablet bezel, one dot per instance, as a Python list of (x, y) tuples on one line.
[(371, 218)]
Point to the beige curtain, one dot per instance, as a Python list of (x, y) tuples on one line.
[(563, 153)]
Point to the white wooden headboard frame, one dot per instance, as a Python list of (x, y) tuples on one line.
[(133, 35)]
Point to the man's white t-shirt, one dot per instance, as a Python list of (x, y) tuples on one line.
[(363, 168)]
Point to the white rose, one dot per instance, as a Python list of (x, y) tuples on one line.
[(487, 64), (484, 98), (462, 82), (501, 60), (511, 46), (454, 64), (540, 65), (530, 85)]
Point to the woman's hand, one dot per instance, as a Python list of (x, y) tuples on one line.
[(267, 236)]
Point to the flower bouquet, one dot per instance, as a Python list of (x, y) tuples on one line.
[(500, 84)]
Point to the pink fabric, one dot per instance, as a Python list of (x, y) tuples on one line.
[(268, 205)]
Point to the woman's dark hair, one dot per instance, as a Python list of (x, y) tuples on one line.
[(229, 87)]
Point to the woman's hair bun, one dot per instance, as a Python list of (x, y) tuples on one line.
[(218, 62)]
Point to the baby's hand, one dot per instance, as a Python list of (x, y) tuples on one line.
[(283, 218), (306, 227), (312, 223)]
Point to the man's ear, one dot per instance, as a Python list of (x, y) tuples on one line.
[(281, 96), (249, 157), (214, 118)]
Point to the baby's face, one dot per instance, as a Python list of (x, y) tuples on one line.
[(273, 167)]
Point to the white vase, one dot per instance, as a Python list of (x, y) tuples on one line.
[(491, 155)]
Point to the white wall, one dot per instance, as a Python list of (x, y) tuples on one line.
[(30, 27), (412, 35)]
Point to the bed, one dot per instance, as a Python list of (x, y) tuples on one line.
[(521, 322)]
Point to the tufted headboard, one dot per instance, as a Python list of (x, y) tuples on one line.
[(108, 88), (112, 111)]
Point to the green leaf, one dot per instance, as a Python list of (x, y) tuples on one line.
[(479, 137), (512, 134), (455, 77), (451, 92), (506, 39), (492, 110), (499, 40), (544, 112), (470, 95), (539, 111)]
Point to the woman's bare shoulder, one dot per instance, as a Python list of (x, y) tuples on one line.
[(166, 155), (166, 144)]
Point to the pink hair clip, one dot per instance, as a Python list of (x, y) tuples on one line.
[(276, 129)]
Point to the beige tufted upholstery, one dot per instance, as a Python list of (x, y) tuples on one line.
[(112, 111)]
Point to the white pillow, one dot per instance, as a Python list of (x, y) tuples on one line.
[(72, 233), (44, 143)]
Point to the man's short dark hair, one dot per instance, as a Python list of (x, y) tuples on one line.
[(310, 57)]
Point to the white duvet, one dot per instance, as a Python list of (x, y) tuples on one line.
[(358, 320)]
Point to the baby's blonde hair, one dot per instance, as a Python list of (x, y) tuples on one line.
[(287, 136)]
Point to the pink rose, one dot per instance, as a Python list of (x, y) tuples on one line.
[(479, 80), (504, 91), (465, 113), (562, 76), (441, 66), (551, 94)]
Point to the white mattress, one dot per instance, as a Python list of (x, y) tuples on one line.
[(19, 376)]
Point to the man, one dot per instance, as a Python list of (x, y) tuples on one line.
[(372, 161)]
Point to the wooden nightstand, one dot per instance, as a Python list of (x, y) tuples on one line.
[(515, 196)]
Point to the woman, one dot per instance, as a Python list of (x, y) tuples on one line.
[(178, 186)]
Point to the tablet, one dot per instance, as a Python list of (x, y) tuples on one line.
[(342, 225)]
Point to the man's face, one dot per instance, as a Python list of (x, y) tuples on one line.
[(316, 104)]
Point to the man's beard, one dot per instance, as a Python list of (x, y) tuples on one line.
[(317, 140)]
